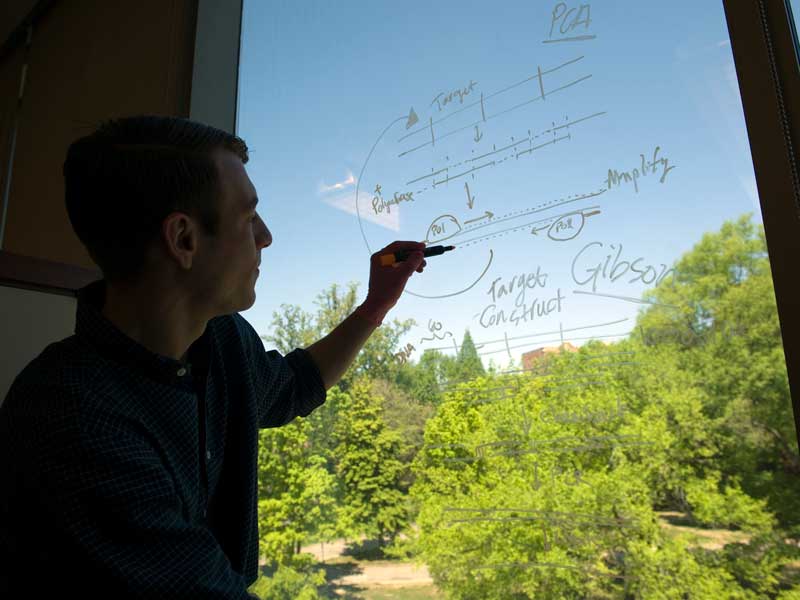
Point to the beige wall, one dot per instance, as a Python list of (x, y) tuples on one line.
[(99, 60), (29, 322)]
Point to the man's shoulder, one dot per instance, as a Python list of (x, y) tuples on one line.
[(67, 364), (234, 328)]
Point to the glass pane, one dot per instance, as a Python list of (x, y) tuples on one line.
[(588, 396)]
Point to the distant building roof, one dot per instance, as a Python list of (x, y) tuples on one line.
[(529, 358)]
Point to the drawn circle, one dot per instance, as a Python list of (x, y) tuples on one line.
[(364, 236)]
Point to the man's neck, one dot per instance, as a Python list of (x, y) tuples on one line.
[(154, 320)]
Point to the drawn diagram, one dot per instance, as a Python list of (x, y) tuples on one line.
[(416, 164)]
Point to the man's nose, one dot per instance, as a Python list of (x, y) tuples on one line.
[(267, 237)]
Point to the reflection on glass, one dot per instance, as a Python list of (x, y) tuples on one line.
[(588, 397)]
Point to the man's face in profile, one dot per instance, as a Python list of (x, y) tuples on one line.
[(228, 262)]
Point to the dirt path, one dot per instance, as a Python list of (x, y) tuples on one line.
[(371, 572)]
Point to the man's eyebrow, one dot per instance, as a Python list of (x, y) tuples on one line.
[(252, 203)]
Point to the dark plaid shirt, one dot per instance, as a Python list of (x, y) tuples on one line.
[(133, 474)]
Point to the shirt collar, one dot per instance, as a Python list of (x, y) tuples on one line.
[(92, 326)]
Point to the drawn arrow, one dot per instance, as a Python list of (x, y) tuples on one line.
[(412, 118), (478, 134), (470, 197), (488, 215), (536, 230)]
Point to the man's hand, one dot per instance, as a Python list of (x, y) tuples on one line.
[(386, 283), (334, 353)]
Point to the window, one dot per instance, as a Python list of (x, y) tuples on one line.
[(597, 367)]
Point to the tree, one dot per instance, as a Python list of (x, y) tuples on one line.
[(719, 316), (537, 486), (515, 477), (294, 328), (368, 467), (468, 363), (407, 416), (296, 493)]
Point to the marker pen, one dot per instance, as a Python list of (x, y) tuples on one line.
[(400, 256)]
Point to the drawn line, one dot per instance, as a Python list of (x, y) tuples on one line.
[(528, 139), (426, 176), (471, 125), (474, 283), (587, 337), (625, 298), (577, 38), (361, 174), (531, 212), (475, 240), (559, 516), (504, 148), (569, 62), (559, 566), (541, 85), (553, 142), (558, 89), (556, 522), (538, 374), (522, 337), (572, 385), (448, 178)]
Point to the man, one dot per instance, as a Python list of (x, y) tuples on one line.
[(128, 451)]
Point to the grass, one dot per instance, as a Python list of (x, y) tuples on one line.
[(421, 592)]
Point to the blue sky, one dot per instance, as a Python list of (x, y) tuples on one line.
[(326, 90)]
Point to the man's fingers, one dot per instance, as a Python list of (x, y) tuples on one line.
[(415, 260), (402, 245)]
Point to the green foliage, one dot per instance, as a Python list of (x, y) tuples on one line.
[(293, 328), (288, 583), (468, 363), (296, 492), (730, 507), (515, 474), (429, 376), (407, 416), (436, 371), (545, 484), (726, 336), (368, 468)]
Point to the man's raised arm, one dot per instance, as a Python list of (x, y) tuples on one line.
[(334, 353)]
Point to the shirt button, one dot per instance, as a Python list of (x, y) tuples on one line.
[(208, 454), (181, 372)]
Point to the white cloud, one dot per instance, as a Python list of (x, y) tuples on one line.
[(324, 189), (722, 43), (347, 203)]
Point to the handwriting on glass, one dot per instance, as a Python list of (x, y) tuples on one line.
[(434, 327), (443, 99), (491, 316), (379, 204), (404, 354), (616, 178), (570, 19), (584, 415), (523, 281), (612, 270)]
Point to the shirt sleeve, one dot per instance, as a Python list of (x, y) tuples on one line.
[(114, 508), (286, 386)]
